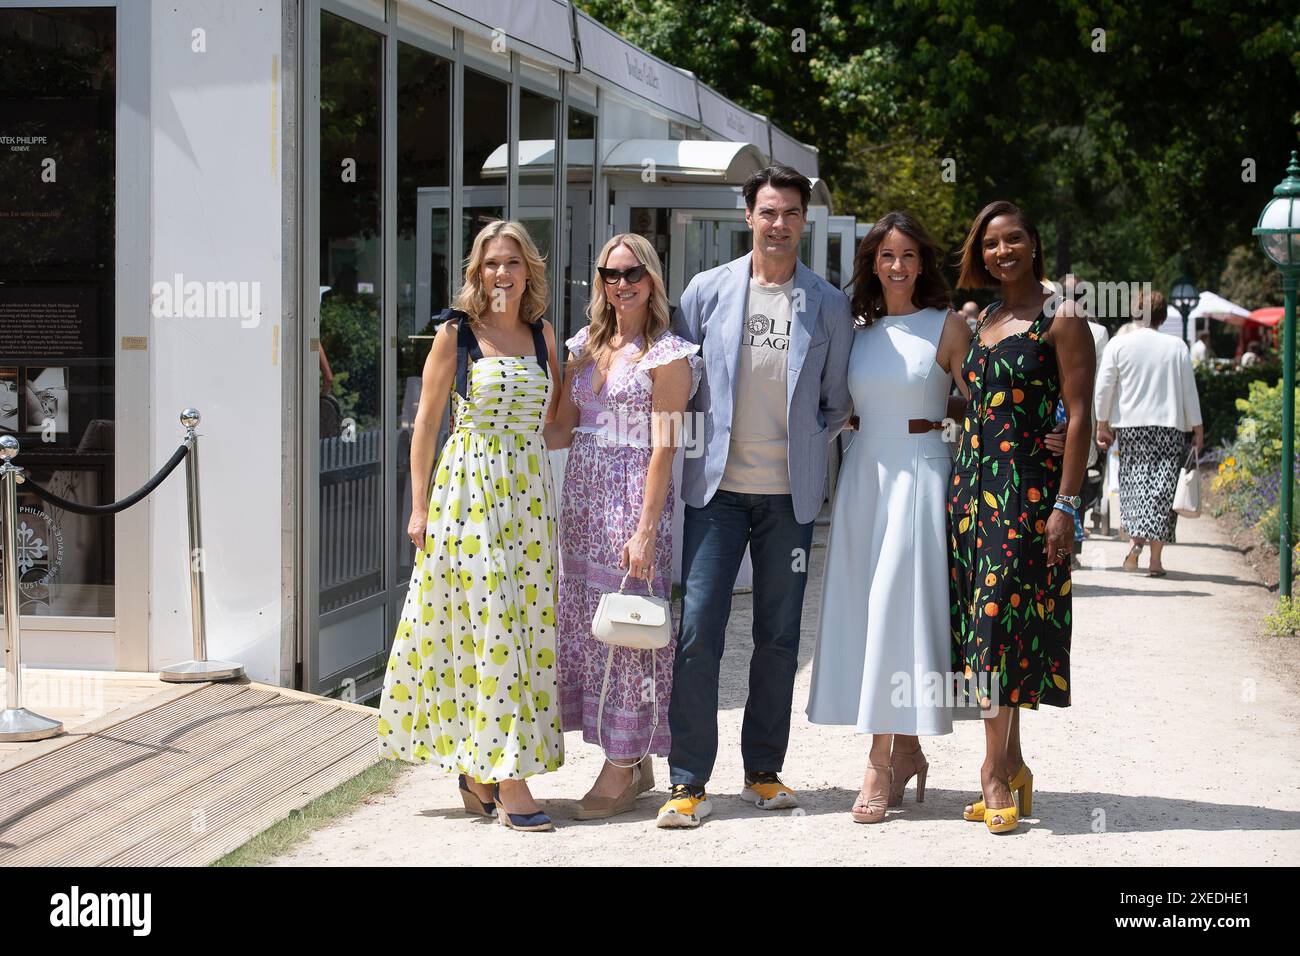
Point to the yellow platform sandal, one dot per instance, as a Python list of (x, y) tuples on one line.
[(1022, 788)]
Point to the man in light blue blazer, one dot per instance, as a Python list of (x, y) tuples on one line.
[(775, 341)]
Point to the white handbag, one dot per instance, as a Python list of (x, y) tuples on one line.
[(1187, 496), (640, 621)]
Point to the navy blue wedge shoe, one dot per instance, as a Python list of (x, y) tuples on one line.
[(538, 821), (472, 803)]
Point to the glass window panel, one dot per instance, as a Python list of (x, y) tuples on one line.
[(57, 320), (485, 140), (423, 249), (580, 255), (351, 325), (536, 158)]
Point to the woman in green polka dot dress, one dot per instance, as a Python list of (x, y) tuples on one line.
[(471, 682)]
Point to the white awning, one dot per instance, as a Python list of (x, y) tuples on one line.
[(821, 193), (672, 160), (790, 152), (693, 160), (625, 67), (543, 26), (723, 117), (1216, 307)]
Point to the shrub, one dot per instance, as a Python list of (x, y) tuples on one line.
[(1219, 392)]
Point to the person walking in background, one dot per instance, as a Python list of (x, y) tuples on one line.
[(884, 608), (1012, 505), (1201, 350), (775, 339), (471, 682), (1147, 406), (620, 412)]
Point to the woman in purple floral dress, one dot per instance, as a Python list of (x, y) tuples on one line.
[(621, 408)]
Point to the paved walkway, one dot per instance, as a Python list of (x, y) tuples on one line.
[(1181, 748)]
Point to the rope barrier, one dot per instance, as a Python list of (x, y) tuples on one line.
[(115, 507)]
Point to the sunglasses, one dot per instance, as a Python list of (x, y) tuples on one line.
[(611, 276)]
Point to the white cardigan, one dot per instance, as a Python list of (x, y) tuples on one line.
[(1145, 378)]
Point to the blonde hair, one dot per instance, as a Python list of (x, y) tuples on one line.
[(473, 298), (600, 312)]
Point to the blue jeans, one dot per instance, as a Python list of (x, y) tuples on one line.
[(713, 545)]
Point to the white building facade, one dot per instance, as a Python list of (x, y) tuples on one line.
[(255, 210)]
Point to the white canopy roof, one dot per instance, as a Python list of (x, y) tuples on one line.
[(1217, 307), (545, 26), (676, 160)]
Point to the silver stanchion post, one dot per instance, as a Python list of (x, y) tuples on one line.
[(16, 721), (200, 668)]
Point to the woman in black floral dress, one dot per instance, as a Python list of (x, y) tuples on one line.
[(1011, 511)]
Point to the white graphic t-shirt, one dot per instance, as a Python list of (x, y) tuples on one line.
[(757, 459)]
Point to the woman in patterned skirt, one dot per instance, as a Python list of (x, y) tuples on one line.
[(1146, 403), (628, 384), (1012, 505), (471, 682)]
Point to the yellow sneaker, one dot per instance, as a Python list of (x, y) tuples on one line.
[(765, 790), (686, 807)]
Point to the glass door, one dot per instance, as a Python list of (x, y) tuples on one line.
[(350, 438), (58, 328), (840, 249)]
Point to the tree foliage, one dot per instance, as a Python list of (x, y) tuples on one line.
[(1125, 130)]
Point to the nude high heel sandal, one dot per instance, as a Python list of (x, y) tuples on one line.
[(905, 766), (873, 809)]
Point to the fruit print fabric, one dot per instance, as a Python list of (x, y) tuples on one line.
[(1010, 610), (471, 680)]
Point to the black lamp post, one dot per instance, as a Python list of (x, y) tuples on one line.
[(1184, 298)]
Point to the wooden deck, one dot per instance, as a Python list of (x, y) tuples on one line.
[(173, 774)]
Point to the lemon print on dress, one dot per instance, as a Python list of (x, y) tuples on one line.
[(467, 643), (421, 752), (413, 659), (385, 728), (481, 720), (464, 610), (400, 692), (430, 680), (408, 722), (448, 676), (512, 691), (483, 615), (466, 579), (476, 512), (428, 613), (535, 507), (447, 711), (471, 546), (541, 700), (530, 593), (444, 745), (502, 486), (495, 756), (548, 616), (500, 654), (545, 657), (453, 509), (469, 675), (506, 721), (521, 482), (533, 550)]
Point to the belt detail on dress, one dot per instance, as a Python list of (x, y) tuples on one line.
[(919, 426)]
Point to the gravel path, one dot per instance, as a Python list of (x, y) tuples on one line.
[(1181, 748)]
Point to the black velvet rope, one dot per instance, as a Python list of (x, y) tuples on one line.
[(116, 506)]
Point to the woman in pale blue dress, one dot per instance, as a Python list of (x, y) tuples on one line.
[(882, 663)]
